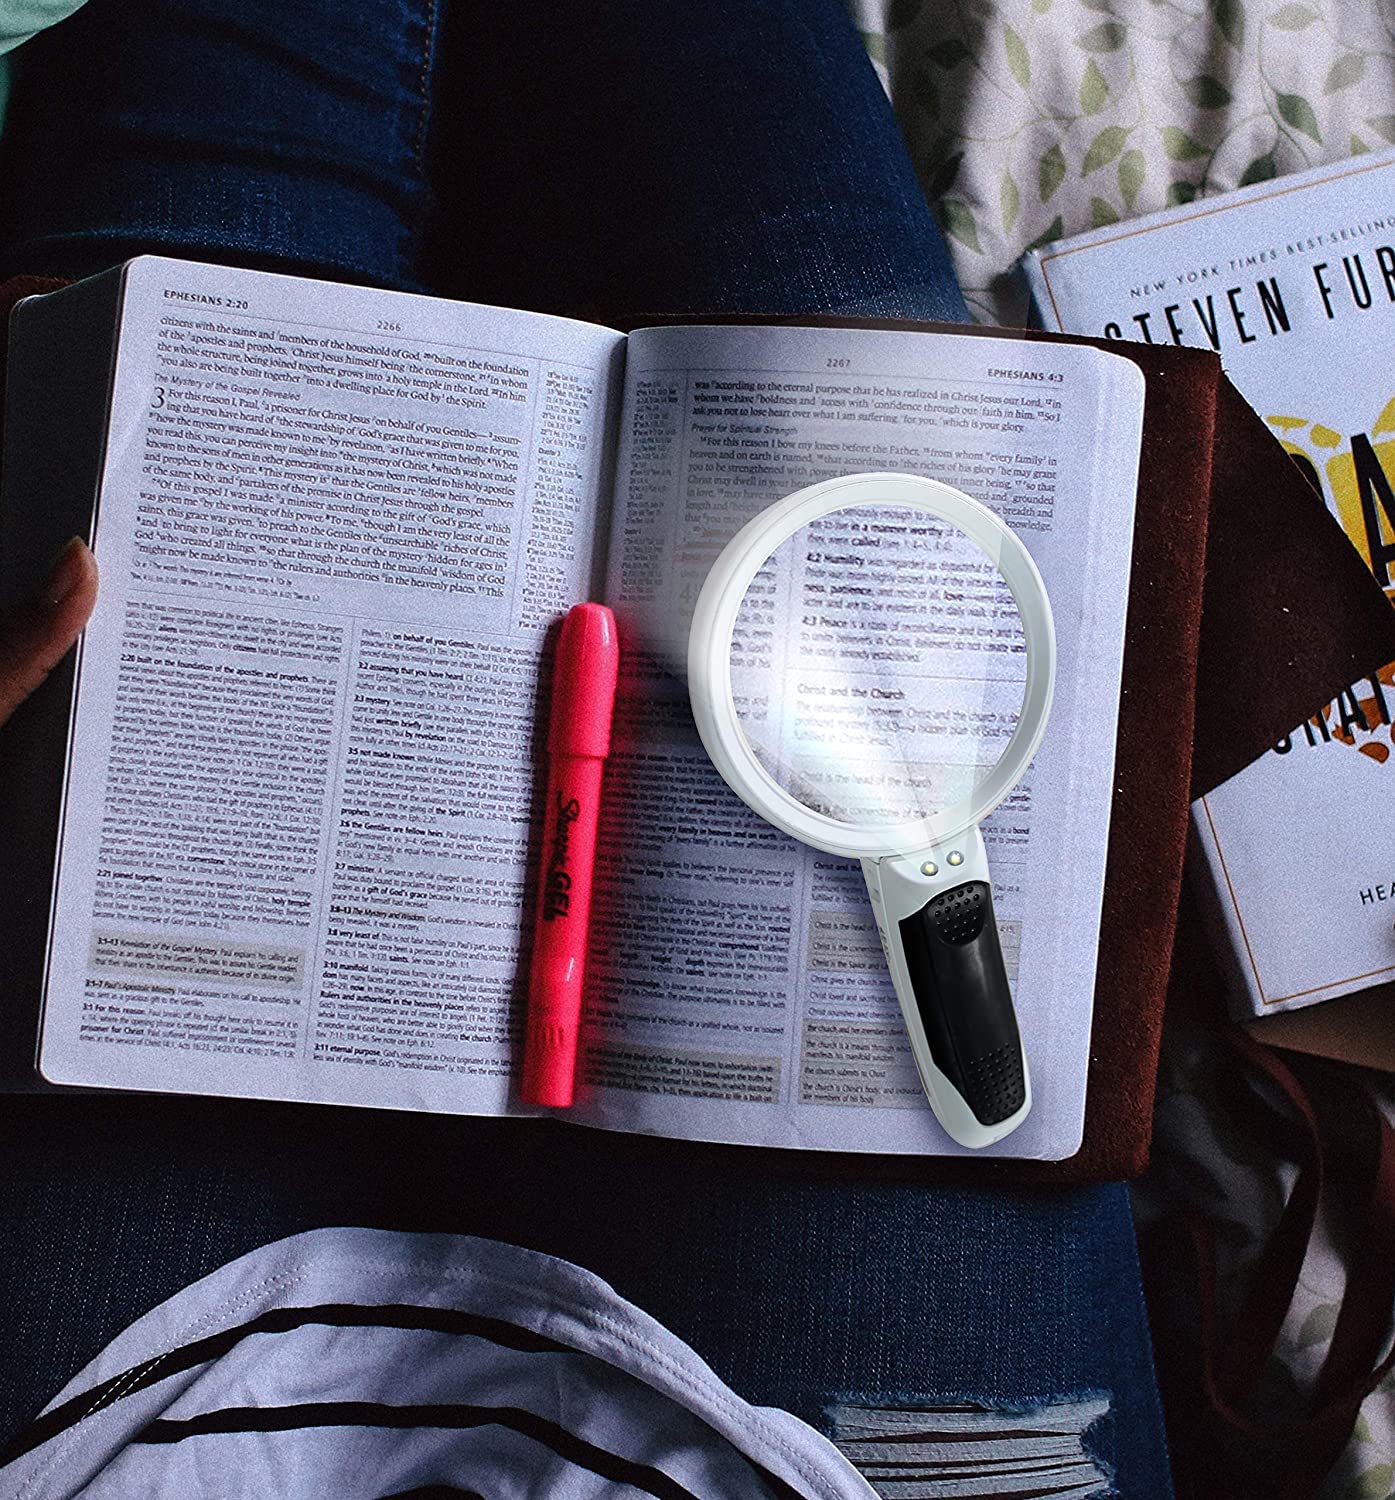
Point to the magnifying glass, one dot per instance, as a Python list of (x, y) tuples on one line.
[(870, 664)]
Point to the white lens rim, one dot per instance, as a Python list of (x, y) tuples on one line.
[(709, 660)]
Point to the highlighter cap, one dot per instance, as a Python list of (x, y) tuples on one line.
[(583, 683)]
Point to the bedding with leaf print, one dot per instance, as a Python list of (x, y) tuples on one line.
[(1030, 120)]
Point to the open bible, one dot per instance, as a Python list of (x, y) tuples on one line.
[(299, 750)]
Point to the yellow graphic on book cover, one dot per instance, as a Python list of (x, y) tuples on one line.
[(1355, 474)]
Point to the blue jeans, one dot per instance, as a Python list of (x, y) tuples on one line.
[(801, 1282), (737, 156), (613, 161)]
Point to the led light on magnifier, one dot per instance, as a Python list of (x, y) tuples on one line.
[(870, 666)]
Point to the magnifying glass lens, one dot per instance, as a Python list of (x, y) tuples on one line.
[(878, 665)]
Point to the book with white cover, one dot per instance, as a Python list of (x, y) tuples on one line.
[(1292, 282)]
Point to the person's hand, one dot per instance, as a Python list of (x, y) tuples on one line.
[(35, 635)]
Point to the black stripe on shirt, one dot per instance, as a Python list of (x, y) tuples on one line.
[(285, 1320), (566, 1445), (277, 1320)]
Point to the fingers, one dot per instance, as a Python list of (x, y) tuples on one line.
[(36, 635)]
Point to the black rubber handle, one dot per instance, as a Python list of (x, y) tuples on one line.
[(961, 987)]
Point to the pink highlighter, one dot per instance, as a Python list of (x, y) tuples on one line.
[(578, 741)]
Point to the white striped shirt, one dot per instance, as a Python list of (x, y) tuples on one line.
[(357, 1362)]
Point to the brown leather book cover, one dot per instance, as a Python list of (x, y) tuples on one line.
[(1233, 636)]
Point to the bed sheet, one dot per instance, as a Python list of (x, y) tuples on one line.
[(1029, 120)]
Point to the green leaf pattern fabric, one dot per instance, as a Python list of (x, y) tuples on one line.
[(1077, 113)]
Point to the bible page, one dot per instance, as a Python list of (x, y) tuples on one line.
[(737, 988), (334, 527)]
